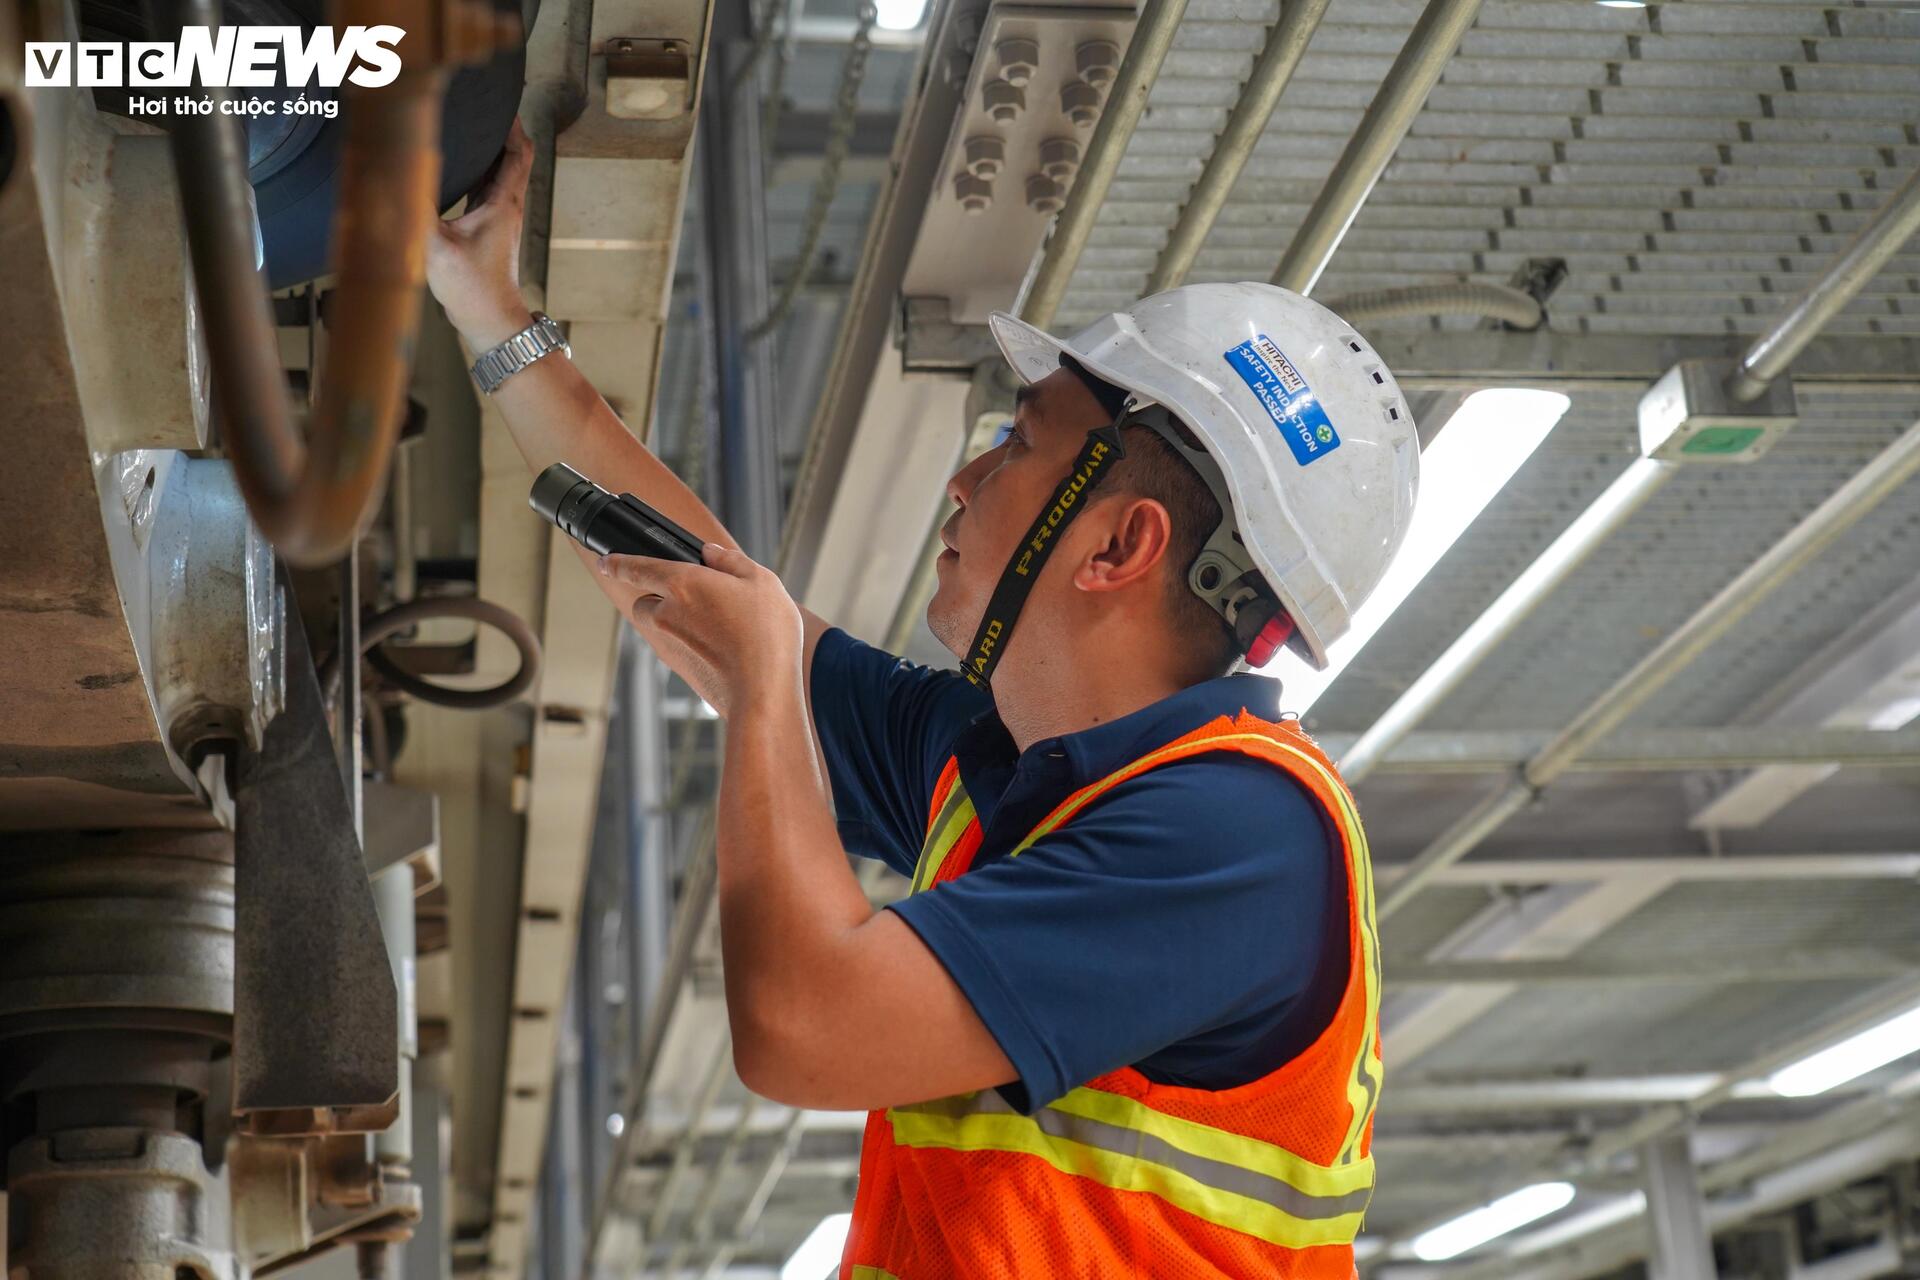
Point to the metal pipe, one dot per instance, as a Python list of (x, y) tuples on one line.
[(312, 499), (1850, 503), (1454, 844), (716, 1075), (1629, 492), (733, 202), (1429, 47), (770, 1174), (1286, 41), (1845, 276), (1152, 38)]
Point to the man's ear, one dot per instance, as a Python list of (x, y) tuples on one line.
[(1135, 536)]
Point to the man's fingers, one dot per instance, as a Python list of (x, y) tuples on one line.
[(652, 576), (516, 163), (728, 560)]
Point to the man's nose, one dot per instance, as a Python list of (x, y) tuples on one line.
[(961, 484)]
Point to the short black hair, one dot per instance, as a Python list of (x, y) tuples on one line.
[(1152, 468)]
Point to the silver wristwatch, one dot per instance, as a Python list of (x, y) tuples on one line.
[(541, 338)]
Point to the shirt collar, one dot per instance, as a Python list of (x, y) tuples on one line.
[(986, 750)]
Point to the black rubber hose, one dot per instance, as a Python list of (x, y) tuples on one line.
[(384, 626)]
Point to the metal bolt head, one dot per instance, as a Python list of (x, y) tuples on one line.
[(985, 155), (1044, 195), (1004, 102), (1098, 61), (1081, 102), (1019, 59), (974, 193), (1060, 158)]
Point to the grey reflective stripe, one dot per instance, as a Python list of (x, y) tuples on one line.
[(1134, 1144)]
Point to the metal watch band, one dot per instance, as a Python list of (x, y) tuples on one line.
[(541, 338)]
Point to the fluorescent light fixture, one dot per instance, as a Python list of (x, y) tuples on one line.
[(819, 1254), (1621, 4), (1508, 1213), (900, 15), (1852, 1057), (1478, 450)]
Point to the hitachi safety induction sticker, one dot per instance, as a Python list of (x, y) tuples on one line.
[(1287, 398)]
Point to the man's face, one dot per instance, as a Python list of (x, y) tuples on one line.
[(1000, 493)]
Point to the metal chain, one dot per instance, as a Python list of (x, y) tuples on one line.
[(839, 141)]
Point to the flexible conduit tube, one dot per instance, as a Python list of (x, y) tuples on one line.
[(1464, 298), (1429, 47), (1286, 42)]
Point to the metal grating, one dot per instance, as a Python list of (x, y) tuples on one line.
[(1691, 162), (1687, 543)]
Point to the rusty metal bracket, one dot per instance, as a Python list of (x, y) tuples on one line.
[(648, 79), (315, 1011)]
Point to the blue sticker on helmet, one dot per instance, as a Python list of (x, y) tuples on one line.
[(1286, 397)]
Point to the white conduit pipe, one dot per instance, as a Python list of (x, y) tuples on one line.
[(1429, 47)]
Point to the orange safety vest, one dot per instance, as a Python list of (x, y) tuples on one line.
[(1122, 1176)]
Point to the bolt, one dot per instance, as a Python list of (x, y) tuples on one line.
[(1081, 102), (985, 155), (1059, 158), (975, 194), (1004, 102), (1099, 62), (1019, 59), (1044, 195)]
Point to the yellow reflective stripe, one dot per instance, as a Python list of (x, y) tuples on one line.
[(1363, 1085), (1233, 1196), (872, 1273), (948, 826)]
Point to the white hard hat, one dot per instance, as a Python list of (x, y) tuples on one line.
[(1315, 441)]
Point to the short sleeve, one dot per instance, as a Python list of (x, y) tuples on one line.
[(1192, 920), (887, 727)]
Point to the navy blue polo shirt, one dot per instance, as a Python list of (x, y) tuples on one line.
[(1191, 923)]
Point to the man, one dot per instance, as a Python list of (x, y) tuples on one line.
[(1126, 1021)]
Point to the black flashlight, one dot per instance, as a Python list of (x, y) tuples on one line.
[(608, 525)]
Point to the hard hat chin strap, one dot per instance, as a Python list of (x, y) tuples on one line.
[(1097, 456)]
